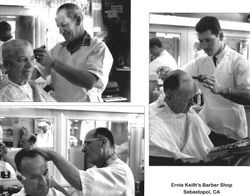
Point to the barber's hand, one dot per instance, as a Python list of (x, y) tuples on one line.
[(211, 83), (43, 57), (45, 153), (3, 150)]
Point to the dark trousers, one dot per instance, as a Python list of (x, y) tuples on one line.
[(219, 140)]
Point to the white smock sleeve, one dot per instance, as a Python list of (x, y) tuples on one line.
[(103, 181)]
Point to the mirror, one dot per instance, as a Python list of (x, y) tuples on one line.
[(18, 132)]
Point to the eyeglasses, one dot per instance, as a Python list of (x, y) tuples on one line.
[(87, 142)]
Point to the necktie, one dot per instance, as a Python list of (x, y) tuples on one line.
[(214, 60)]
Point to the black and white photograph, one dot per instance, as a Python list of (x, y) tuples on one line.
[(65, 51), (200, 89), (72, 150)]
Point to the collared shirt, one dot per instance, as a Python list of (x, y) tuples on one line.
[(116, 179), (222, 115), (52, 192), (90, 55), (179, 136), (11, 92), (164, 59)]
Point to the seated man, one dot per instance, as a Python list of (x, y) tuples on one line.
[(18, 59), (176, 131), (111, 176), (32, 172)]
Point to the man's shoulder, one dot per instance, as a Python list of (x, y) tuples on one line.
[(157, 107)]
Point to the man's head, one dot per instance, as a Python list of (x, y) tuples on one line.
[(179, 89), (210, 34), (69, 19), (5, 31), (155, 47), (98, 146), (18, 59), (33, 172)]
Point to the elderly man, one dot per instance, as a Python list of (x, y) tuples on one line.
[(79, 66), (111, 176), (32, 172), (176, 131), (163, 59), (18, 59), (224, 78)]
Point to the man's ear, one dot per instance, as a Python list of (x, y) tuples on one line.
[(104, 141), (221, 35), (78, 20)]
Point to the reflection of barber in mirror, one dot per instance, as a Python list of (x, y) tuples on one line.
[(162, 57), (223, 76), (18, 59), (7, 166), (111, 176), (79, 66), (44, 136), (27, 139), (32, 172)]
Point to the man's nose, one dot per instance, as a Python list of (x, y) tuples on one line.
[(61, 30), (203, 45), (42, 180)]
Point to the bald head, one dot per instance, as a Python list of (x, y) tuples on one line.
[(179, 88)]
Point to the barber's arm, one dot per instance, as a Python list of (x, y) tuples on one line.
[(58, 187), (81, 78), (240, 96), (68, 170)]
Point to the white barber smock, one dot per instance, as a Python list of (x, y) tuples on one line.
[(179, 136), (116, 179), (92, 55), (222, 115)]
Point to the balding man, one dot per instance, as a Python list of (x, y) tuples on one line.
[(176, 131), (111, 176), (18, 60), (32, 172), (79, 66)]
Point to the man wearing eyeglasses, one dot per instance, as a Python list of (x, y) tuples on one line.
[(224, 78), (18, 59), (32, 172), (177, 134), (110, 176)]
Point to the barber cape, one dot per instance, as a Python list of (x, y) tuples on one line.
[(11, 92), (52, 192), (180, 136)]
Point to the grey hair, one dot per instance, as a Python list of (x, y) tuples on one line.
[(10, 47)]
